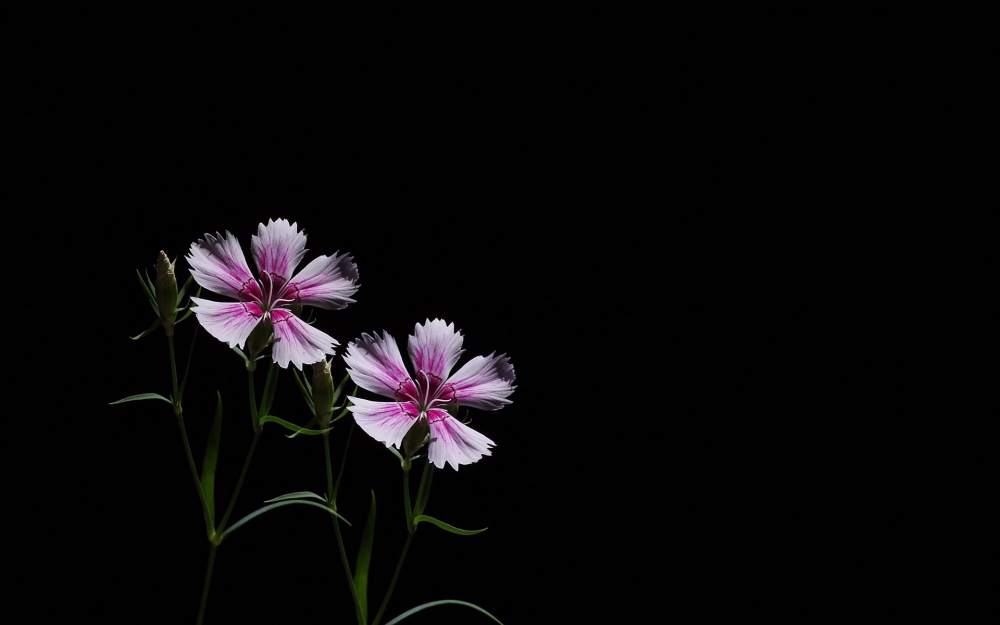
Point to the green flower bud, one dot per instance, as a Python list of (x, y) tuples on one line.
[(259, 338), (322, 390), (417, 437), (166, 292)]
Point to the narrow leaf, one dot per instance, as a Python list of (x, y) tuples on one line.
[(413, 611), (148, 287), (448, 528), (340, 387), (187, 283), (141, 396), (306, 390), (313, 421), (364, 560), (147, 331), (302, 494), (291, 426), (211, 456), (269, 385), (279, 504), (394, 452)]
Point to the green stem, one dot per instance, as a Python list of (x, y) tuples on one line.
[(179, 413), (208, 581), (194, 474), (173, 374), (395, 576), (406, 501), (215, 536), (423, 492), (239, 485), (255, 419), (332, 497)]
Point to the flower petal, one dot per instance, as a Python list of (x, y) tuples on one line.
[(454, 442), (278, 248), (326, 282), (484, 382), (217, 264), (385, 421), (376, 365), (231, 322), (297, 342), (435, 347)]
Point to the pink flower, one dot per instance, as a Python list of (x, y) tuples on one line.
[(217, 264), (375, 364)]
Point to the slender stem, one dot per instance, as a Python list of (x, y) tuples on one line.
[(332, 497), (194, 474), (179, 412), (395, 576), (253, 404), (408, 507), (208, 582), (187, 368), (215, 536), (173, 373), (423, 492), (239, 484)]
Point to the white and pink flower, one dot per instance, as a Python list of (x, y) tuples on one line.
[(217, 264), (433, 393)]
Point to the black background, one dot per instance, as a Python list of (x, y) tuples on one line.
[(695, 247)]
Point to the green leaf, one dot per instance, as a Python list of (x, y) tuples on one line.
[(147, 331), (209, 462), (413, 611), (306, 390), (142, 396), (242, 355), (340, 387), (364, 560), (291, 426), (187, 283), (190, 309), (448, 528), (279, 504), (149, 287), (313, 421), (269, 385), (302, 494), (394, 452)]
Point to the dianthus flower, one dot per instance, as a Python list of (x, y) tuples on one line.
[(431, 397), (217, 264)]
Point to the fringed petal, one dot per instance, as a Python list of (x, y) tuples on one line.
[(297, 342), (376, 365), (326, 282), (385, 421), (435, 347), (217, 264), (230, 322), (455, 443), (484, 382)]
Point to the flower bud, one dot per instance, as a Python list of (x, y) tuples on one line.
[(417, 437), (166, 292), (322, 390), (259, 338)]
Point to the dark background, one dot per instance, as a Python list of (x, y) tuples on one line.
[(698, 248)]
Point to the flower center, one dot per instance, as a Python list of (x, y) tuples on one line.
[(427, 391), (273, 291)]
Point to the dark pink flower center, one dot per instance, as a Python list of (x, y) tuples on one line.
[(426, 392)]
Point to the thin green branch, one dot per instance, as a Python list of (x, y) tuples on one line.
[(395, 576), (332, 491), (208, 581)]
